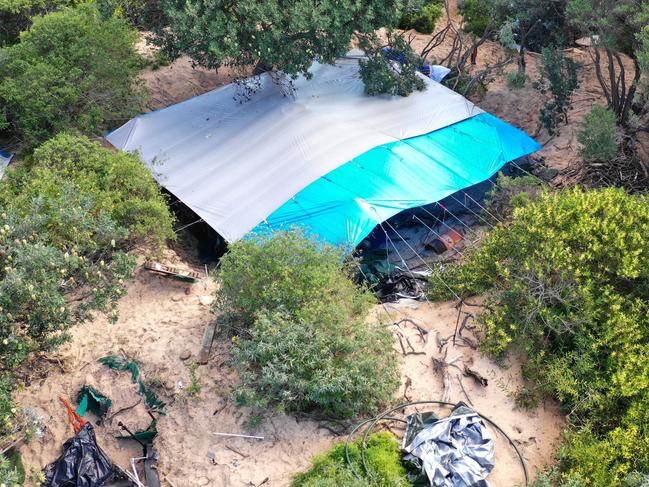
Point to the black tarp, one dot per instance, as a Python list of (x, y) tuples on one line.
[(82, 464)]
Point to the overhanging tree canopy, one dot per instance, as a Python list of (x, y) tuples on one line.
[(281, 35)]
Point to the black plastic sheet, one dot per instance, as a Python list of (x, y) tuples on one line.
[(83, 463)]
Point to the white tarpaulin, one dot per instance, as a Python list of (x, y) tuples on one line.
[(234, 163)]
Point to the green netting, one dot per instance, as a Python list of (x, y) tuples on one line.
[(90, 399), (144, 436), (118, 363)]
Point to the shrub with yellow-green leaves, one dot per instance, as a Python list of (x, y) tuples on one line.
[(383, 460), (567, 278)]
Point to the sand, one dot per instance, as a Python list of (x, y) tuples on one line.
[(161, 318)]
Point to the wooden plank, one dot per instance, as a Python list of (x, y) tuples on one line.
[(208, 338)]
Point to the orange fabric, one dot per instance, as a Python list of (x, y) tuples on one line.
[(76, 421)]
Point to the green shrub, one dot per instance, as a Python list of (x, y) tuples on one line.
[(516, 81), (379, 73), (422, 18), (383, 461), (118, 185), (510, 193), (598, 136), (286, 271), (305, 343), (71, 70), (325, 361), (568, 279), (557, 82)]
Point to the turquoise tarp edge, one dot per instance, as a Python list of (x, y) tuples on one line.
[(345, 205)]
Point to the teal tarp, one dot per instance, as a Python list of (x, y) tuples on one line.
[(344, 206)]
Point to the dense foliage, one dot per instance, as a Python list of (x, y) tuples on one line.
[(117, 185), (71, 70), (568, 280), (272, 35), (392, 69), (383, 458), (16, 15), (303, 342), (422, 17), (599, 135)]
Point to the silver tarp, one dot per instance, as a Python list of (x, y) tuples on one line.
[(456, 451)]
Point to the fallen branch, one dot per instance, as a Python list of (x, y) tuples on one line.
[(479, 378)]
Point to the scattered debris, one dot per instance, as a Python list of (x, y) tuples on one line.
[(175, 272), (208, 338), (211, 456)]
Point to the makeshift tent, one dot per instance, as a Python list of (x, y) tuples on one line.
[(329, 157)]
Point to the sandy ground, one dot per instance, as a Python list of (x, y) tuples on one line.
[(162, 318)]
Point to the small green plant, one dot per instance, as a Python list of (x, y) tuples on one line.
[(510, 193), (12, 473), (383, 458), (479, 16), (194, 387), (422, 18), (527, 398), (516, 81), (558, 82), (599, 135)]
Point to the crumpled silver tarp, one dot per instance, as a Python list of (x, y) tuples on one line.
[(456, 451)]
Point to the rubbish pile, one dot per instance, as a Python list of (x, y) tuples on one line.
[(83, 463)]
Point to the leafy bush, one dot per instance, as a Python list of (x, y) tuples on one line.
[(16, 16), (598, 136), (10, 474), (515, 81), (422, 18), (395, 72), (559, 81), (383, 461), (568, 280), (117, 185), (71, 70), (325, 361), (305, 344), (286, 272)]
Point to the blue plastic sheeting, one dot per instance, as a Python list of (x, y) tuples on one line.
[(344, 206)]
